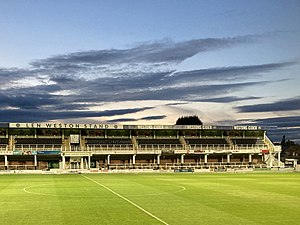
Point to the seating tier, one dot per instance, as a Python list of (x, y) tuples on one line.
[(37, 141), (108, 141), (206, 141), (3, 141), (159, 141), (245, 141)]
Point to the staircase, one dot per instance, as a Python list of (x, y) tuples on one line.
[(135, 143), (270, 159), (183, 142), (66, 145), (230, 142)]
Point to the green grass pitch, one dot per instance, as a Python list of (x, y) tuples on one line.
[(180, 198)]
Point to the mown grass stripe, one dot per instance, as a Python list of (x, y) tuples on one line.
[(126, 199)]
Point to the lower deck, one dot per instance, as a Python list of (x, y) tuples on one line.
[(147, 161)]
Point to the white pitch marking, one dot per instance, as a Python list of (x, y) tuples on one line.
[(25, 189), (127, 200), (36, 193)]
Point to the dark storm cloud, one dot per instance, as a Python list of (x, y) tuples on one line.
[(155, 52), (283, 105), (39, 115)]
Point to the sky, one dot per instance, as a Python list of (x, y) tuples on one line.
[(150, 62)]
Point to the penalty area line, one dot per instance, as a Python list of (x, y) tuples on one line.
[(126, 199)]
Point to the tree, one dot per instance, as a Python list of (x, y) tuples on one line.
[(189, 120), (290, 149)]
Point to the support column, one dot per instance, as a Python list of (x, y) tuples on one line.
[(182, 159), (63, 162), (158, 159), (228, 158), (81, 163), (133, 159), (250, 158), (295, 163), (35, 161), (89, 162), (108, 160), (205, 158), (278, 158), (6, 162)]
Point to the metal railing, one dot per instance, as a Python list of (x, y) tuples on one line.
[(110, 148), (38, 147), (161, 147)]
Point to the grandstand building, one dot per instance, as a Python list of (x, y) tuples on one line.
[(66, 146)]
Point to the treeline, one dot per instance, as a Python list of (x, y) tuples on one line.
[(290, 149), (189, 120)]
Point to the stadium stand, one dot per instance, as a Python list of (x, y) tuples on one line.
[(104, 146)]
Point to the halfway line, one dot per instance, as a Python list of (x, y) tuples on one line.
[(127, 200)]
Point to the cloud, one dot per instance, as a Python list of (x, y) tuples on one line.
[(80, 94), (227, 99), (278, 126), (27, 101), (283, 122), (133, 120), (165, 51), (121, 120), (283, 105), (154, 117), (38, 116), (229, 73)]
